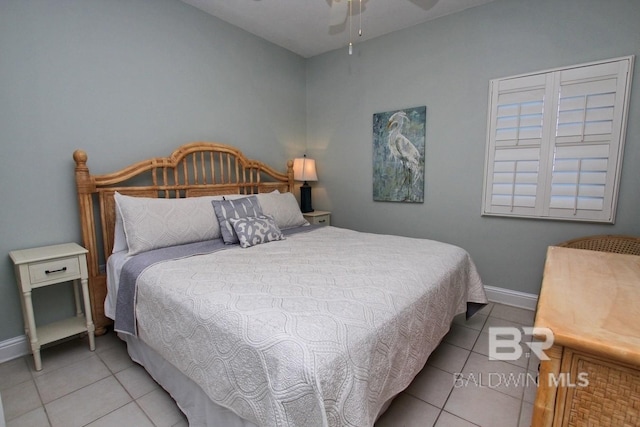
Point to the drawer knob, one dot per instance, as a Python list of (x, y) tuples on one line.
[(55, 271)]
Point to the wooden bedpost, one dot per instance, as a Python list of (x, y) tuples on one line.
[(85, 187)]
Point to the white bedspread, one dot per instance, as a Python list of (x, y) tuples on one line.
[(320, 329)]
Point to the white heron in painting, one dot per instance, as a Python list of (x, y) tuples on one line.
[(402, 149)]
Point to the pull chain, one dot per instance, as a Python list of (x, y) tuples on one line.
[(350, 23), (350, 18), (360, 18)]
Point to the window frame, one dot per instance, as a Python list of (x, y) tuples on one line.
[(523, 175)]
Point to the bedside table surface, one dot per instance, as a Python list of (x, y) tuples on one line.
[(316, 213), (24, 256)]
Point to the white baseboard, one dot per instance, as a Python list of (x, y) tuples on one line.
[(509, 297), (13, 348)]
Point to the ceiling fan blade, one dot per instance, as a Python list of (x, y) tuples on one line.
[(338, 12), (424, 4)]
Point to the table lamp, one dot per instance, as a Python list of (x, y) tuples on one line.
[(304, 169)]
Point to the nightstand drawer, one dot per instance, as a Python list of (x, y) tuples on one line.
[(318, 217), (321, 220), (58, 269)]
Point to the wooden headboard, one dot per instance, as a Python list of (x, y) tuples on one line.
[(195, 169)]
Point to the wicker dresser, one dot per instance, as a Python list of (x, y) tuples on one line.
[(591, 302)]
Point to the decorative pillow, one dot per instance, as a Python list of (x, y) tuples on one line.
[(252, 231), (284, 208), (229, 197), (237, 208), (157, 223)]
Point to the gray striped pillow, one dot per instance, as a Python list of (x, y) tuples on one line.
[(237, 208)]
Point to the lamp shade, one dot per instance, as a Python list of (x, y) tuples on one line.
[(304, 169)]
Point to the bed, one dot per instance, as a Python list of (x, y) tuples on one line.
[(245, 313)]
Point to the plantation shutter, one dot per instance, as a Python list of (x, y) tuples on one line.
[(587, 141), (515, 152), (555, 142)]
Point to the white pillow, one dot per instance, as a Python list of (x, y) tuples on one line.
[(119, 238), (151, 223), (284, 208)]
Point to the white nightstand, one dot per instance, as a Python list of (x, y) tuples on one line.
[(46, 266), (318, 217)]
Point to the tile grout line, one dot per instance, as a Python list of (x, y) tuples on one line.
[(526, 369), (133, 400)]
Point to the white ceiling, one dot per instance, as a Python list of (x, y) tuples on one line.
[(302, 26)]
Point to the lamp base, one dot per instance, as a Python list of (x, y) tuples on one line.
[(305, 198)]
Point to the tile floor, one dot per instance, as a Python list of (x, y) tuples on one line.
[(459, 386)]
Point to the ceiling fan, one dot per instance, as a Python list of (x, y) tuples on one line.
[(341, 9)]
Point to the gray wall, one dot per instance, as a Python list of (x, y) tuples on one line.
[(123, 80), (446, 65)]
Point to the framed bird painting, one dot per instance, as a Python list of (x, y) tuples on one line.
[(399, 154)]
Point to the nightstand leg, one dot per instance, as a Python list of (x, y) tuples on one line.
[(76, 294), (87, 314), (31, 327), (25, 318)]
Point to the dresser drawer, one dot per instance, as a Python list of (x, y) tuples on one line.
[(57, 269)]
